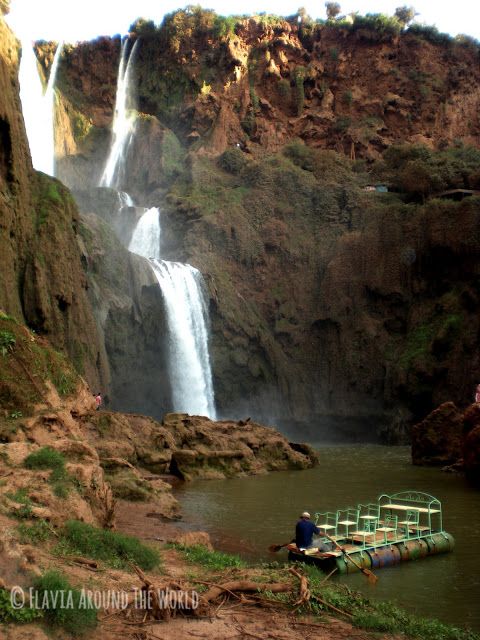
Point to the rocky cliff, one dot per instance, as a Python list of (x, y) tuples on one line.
[(331, 307), (42, 282)]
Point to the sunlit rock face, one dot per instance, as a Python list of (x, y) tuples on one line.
[(332, 309)]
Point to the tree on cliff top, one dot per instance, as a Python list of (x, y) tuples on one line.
[(405, 14), (333, 9)]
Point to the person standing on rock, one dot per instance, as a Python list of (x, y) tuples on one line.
[(98, 401), (477, 394)]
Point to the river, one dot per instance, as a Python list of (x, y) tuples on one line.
[(246, 515)]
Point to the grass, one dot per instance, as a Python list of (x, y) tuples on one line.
[(115, 549), (76, 617), (384, 617), (21, 496), (213, 560), (34, 534), (48, 458)]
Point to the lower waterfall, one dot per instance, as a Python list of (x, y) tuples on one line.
[(187, 321)]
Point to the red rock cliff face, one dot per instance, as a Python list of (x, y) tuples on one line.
[(355, 92), (328, 305), (42, 280)]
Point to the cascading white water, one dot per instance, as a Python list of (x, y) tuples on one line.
[(124, 119), (38, 108), (146, 235), (187, 319), (190, 370), (124, 199)]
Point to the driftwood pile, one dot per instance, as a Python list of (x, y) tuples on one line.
[(160, 602)]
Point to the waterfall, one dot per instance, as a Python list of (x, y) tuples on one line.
[(146, 236), (124, 119), (124, 200), (187, 320), (190, 371), (38, 108)]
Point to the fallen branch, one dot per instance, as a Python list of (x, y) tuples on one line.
[(244, 586), (304, 595), (86, 561)]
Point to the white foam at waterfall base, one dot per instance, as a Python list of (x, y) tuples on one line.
[(190, 371), (124, 120), (187, 320), (38, 108)]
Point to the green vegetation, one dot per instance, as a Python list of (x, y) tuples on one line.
[(7, 341), (39, 531), (233, 160), (126, 485), (284, 88), (10, 615), (77, 616), (419, 172), (299, 77), (115, 549), (381, 616), (347, 97), (213, 560), (48, 458), (21, 497)]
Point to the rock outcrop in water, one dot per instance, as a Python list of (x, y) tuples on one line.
[(450, 437)]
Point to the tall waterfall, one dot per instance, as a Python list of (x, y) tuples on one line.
[(187, 319), (124, 119), (38, 108)]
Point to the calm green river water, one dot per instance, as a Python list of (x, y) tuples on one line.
[(245, 515)]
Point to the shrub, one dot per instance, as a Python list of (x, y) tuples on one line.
[(232, 160), (284, 87), (9, 614), (48, 458), (300, 154), (430, 33), (7, 341), (76, 619), (299, 75), (45, 458), (116, 549)]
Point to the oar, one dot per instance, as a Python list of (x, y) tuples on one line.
[(276, 547), (372, 578)]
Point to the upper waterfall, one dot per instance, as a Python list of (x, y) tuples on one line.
[(124, 119), (38, 108)]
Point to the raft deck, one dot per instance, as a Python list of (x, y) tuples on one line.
[(397, 527)]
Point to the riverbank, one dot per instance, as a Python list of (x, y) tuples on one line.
[(216, 595)]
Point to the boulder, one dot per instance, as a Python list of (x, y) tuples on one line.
[(437, 440), (471, 456)]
